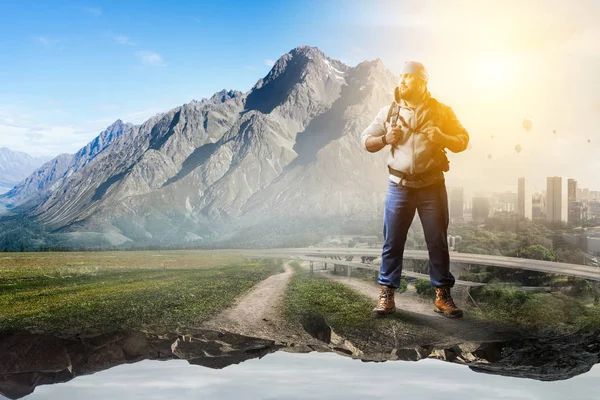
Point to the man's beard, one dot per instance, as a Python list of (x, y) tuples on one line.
[(412, 94)]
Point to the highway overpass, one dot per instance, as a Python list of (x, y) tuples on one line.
[(565, 269)]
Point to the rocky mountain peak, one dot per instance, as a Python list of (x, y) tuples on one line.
[(105, 138), (224, 95), (116, 127), (367, 70), (115, 124), (298, 59), (303, 66), (372, 78), (10, 154), (308, 52)]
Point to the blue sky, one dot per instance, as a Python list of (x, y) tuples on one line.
[(70, 69), (131, 52), (80, 66)]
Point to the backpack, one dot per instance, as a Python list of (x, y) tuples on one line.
[(394, 116)]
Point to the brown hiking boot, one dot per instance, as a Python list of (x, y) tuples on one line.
[(444, 303), (386, 304)]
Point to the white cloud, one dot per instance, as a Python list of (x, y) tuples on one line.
[(42, 140), (4, 119), (22, 132), (149, 58), (269, 62), (94, 10), (122, 39)]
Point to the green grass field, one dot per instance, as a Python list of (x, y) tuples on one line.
[(160, 291), (347, 310), (98, 292), (511, 306), (343, 308)]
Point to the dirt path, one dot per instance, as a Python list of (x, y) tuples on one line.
[(260, 312), (412, 308)]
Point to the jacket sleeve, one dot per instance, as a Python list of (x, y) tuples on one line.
[(459, 138), (375, 128)]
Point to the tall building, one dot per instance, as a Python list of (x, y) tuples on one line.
[(538, 206), (572, 190), (456, 203), (594, 209), (524, 200), (481, 208), (586, 194), (504, 202), (556, 199), (577, 211), (468, 211), (573, 214)]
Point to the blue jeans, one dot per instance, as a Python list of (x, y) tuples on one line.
[(400, 204)]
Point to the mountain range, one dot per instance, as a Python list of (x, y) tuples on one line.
[(251, 168), (16, 166)]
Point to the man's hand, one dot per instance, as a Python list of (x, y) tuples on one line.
[(435, 135), (394, 136)]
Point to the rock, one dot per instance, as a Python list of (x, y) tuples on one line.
[(317, 327), (41, 353), (217, 350), (545, 358)]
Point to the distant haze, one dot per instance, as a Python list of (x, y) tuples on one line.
[(16, 166)]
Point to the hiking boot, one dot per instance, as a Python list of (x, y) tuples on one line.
[(386, 304), (444, 303)]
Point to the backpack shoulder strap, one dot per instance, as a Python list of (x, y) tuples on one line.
[(392, 112)]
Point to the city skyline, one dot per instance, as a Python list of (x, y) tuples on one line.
[(562, 200), (535, 189)]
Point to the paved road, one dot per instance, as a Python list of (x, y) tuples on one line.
[(579, 271)]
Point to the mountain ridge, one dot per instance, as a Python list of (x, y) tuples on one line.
[(207, 169)]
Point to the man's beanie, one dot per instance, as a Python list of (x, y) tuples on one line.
[(415, 68)]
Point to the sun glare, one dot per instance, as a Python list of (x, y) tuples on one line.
[(493, 73)]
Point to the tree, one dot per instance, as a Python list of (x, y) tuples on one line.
[(537, 252)]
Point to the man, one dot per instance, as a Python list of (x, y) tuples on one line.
[(417, 129)]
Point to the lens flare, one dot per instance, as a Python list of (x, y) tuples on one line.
[(493, 73)]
